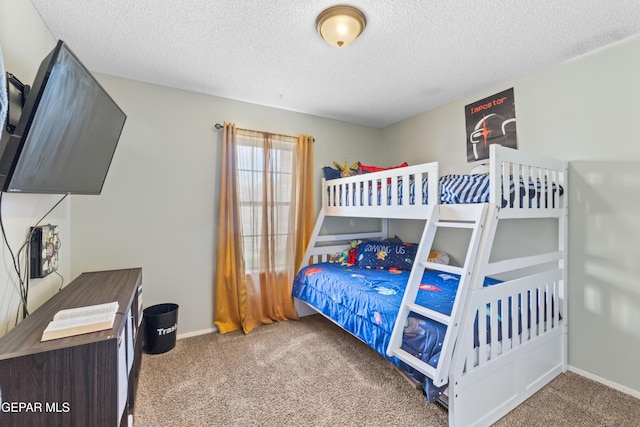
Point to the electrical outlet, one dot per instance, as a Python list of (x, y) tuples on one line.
[(43, 250)]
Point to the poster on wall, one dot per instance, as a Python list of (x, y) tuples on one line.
[(491, 120)]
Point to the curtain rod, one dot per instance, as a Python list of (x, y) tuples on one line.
[(219, 126)]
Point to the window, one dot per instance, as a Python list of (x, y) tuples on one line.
[(265, 183)]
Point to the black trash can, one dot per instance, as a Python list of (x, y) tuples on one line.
[(161, 327)]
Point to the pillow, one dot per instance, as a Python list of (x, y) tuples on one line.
[(438, 257), (369, 169), (481, 169), (394, 239), (385, 255), (330, 173)]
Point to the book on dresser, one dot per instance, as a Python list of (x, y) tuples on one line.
[(81, 320)]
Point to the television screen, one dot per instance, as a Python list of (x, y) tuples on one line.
[(67, 134)]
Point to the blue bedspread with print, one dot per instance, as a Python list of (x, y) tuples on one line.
[(366, 303)]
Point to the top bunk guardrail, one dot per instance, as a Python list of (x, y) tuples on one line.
[(382, 194), (535, 185)]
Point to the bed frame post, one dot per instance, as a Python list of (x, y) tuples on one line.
[(313, 240), (563, 246)]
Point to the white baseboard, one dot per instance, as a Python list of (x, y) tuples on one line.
[(616, 386), (196, 333)]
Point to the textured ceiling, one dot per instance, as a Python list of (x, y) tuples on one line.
[(414, 55)]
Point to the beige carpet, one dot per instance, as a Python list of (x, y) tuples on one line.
[(312, 373)]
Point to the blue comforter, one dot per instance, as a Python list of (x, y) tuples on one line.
[(366, 303)]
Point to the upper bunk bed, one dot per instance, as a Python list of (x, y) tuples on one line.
[(422, 314), (521, 185)]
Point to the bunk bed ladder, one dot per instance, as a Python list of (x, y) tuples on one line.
[(474, 221)]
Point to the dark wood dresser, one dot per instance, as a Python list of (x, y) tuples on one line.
[(82, 380)]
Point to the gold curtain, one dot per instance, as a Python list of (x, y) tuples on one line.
[(230, 295), (260, 244), (304, 196)]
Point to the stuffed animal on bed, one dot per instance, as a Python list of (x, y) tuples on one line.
[(349, 257), (345, 170)]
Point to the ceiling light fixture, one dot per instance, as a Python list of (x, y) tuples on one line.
[(340, 25)]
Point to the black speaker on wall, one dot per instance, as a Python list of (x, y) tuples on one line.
[(43, 249)]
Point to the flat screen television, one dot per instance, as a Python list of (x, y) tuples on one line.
[(67, 133)]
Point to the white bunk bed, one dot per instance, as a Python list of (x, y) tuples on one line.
[(482, 379)]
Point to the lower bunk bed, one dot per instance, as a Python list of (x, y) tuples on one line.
[(481, 336), (366, 303)]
